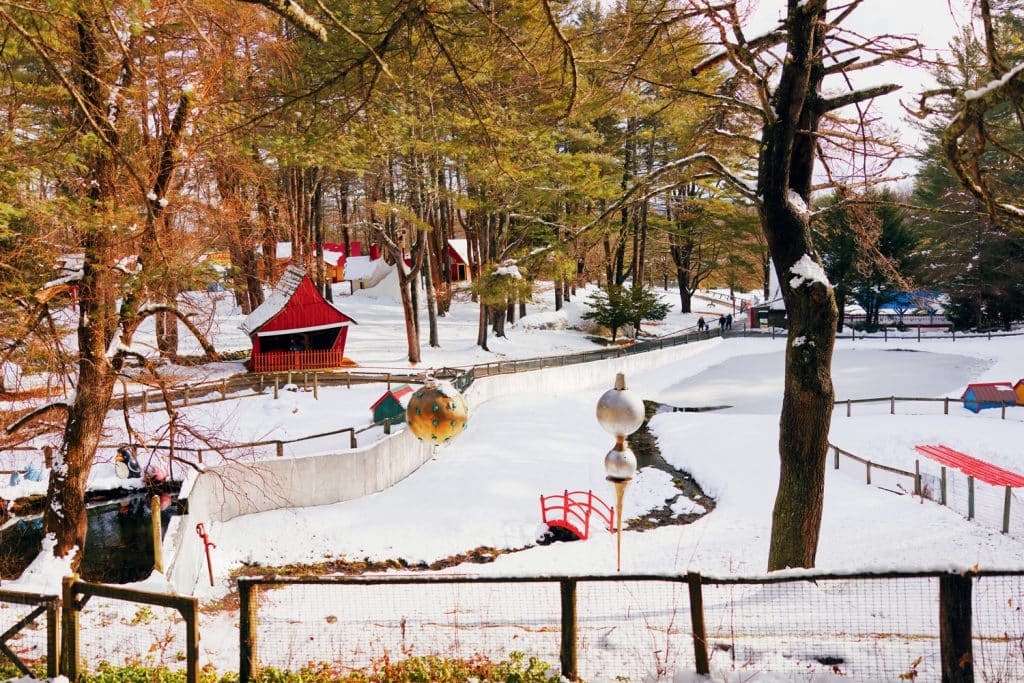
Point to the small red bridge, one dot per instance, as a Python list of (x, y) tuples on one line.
[(572, 510), (979, 469)]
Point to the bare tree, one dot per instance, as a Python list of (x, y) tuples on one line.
[(798, 127)]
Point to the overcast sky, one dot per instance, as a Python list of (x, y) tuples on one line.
[(932, 22)]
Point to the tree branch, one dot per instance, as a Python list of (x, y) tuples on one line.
[(294, 14)]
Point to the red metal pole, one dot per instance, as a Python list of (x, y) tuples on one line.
[(201, 530)]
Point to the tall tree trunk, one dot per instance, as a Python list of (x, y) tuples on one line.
[(428, 264), (786, 167)]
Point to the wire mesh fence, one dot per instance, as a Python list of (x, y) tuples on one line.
[(867, 627), (28, 624), (128, 627)]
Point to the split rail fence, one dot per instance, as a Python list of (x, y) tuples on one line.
[(998, 507), (868, 626)]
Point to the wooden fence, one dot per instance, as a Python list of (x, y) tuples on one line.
[(768, 615), (76, 594), (919, 489), (893, 400), (281, 361)]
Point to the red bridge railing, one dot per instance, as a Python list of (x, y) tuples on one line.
[(572, 510)]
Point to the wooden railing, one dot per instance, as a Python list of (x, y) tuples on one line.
[(279, 361)]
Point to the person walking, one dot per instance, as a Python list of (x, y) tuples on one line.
[(728, 322), (701, 324)]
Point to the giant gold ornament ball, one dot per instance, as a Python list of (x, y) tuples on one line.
[(437, 414)]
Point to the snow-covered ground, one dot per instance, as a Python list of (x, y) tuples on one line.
[(483, 490)]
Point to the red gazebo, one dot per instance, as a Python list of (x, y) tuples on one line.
[(296, 328)]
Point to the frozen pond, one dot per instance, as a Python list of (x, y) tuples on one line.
[(754, 383)]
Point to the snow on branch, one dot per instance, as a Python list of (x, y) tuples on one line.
[(33, 414), (293, 12)]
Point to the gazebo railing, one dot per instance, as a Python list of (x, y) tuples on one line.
[(281, 361)]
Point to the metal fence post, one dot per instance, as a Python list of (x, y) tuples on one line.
[(970, 497), (849, 407), (917, 478), (955, 629), (568, 649), (69, 630), (248, 617), (835, 450), (700, 638), (942, 488)]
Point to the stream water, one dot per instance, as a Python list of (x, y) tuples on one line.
[(118, 546)]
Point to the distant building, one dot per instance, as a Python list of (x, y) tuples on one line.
[(458, 256), (982, 395), (391, 406), (296, 328)]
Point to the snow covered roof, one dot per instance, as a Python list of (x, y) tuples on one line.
[(360, 267), (331, 258), (278, 299), (460, 247)]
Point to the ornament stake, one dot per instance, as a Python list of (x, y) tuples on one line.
[(620, 412)]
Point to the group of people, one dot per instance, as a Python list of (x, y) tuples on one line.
[(724, 323)]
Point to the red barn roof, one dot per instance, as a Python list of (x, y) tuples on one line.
[(294, 305), (991, 392)]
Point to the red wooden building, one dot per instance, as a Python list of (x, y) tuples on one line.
[(458, 256), (296, 328)]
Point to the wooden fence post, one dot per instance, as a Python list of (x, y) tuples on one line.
[(48, 456), (69, 630), (955, 629), (849, 407), (917, 478), (387, 425), (224, 388), (1003, 406), (199, 455), (52, 639), (700, 638), (835, 450), (276, 388), (279, 448), (885, 331), (945, 405), (352, 439), (970, 497), (1006, 509), (868, 477), (289, 377), (145, 401), (158, 551), (316, 385), (191, 641), (248, 619), (348, 379), (918, 334), (184, 396), (942, 488), (892, 405), (305, 381), (568, 649)]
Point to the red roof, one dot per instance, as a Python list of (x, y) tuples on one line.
[(991, 392), (398, 393), (294, 304), (979, 469)]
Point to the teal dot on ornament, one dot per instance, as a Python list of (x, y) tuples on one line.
[(453, 423), (436, 407), (433, 438), (419, 394), (434, 423), (417, 411), (453, 405)]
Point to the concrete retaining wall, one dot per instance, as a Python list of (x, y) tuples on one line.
[(223, 493)]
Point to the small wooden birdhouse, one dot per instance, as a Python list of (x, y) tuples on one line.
[(391, 406)]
